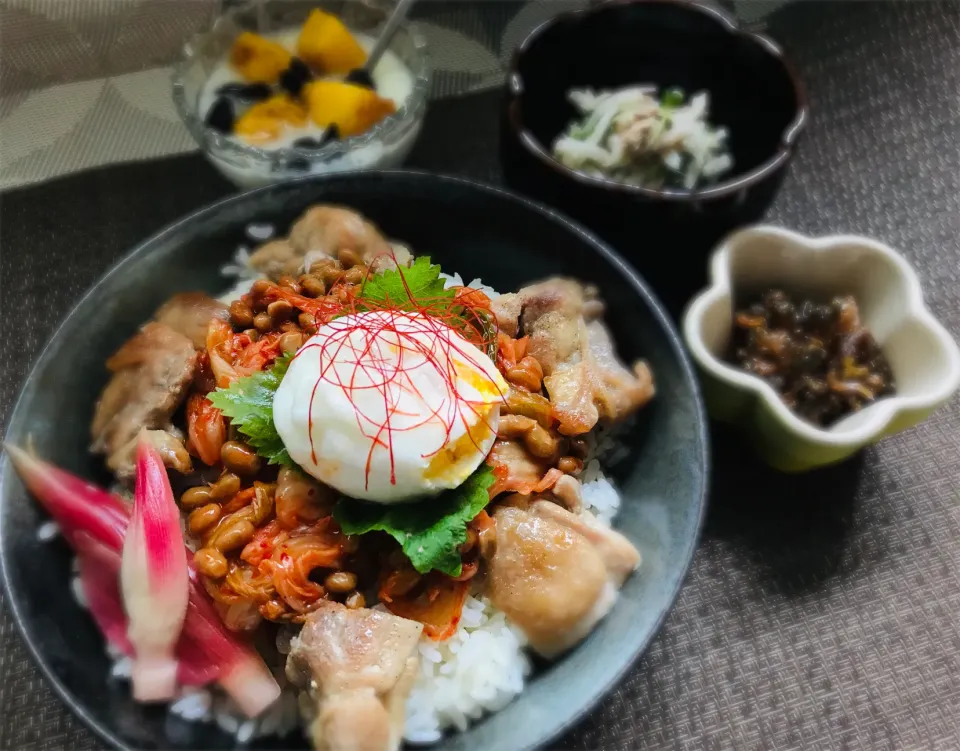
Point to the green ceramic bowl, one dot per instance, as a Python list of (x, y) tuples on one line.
[(924, 357)]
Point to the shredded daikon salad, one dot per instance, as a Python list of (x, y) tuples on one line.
[(634, 136)]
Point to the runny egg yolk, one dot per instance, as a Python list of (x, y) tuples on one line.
[(389, 407), (448, 460)]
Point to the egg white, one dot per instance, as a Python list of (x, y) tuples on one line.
[(442, 395)]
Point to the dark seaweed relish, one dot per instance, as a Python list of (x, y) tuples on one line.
[(819, 357)]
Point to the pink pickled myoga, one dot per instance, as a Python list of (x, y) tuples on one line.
[(76, 505), (94, 523), (153, 579), (99, 568)]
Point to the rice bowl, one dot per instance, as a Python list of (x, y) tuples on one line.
[(40, 446), (478, 670)]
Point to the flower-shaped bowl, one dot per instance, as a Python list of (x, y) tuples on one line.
[(923, 356)]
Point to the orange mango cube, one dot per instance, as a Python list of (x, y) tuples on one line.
[(326, 45), (353, 109), (257, 59), (266, 120)]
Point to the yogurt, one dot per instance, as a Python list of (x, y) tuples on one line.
[(393, 80)]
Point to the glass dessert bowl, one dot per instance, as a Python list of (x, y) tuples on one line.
[(264, 94)]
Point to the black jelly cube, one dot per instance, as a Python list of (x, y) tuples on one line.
[(361, 77), (246, 92), (298, 165), (220, 117), (332, 133), (282, 165), (295, 76)]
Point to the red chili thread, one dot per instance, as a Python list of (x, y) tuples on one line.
[(426, 326)]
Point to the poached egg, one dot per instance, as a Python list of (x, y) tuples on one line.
[(389, 406)]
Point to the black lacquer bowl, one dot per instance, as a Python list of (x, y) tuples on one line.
[(754, 93), (468, 228)]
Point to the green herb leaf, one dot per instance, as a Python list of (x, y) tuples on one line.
[(430, 531), (672, 98), (248, 402), (583, 130), (405, 287)]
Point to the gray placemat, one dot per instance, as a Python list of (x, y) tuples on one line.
[(821, 611), (86, 83)]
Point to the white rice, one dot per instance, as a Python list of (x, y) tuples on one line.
[(239, 270), (260, 232), (286, 635), (239, 267), (477, 670), (78, 594), (600, 497), (246, 730), (194, 704), (122, 668), (454, 280), (237, 291), (208, 705), (48, 531)]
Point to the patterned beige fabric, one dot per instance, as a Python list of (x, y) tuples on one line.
[(85, 83), (49, 42)]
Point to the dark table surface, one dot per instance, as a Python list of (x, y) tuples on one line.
[(821, 611)]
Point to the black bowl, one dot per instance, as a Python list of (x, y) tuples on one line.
[(753, 91), (469, 228)]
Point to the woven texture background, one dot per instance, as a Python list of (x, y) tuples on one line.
[(85, 83), (821, 612)]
